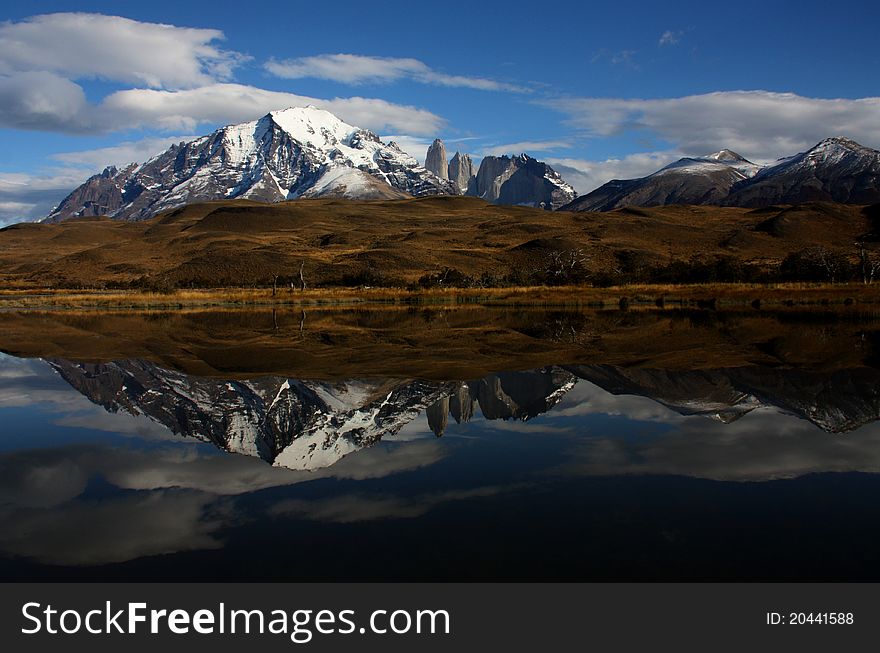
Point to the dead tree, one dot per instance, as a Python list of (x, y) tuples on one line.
[(302, 279), (868, 265), (563, 264), (833, 264), (274, 285)]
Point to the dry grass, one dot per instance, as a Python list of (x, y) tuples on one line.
[(715, 296)]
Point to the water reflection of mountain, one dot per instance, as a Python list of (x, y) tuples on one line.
[(836, 402), (304, 424)]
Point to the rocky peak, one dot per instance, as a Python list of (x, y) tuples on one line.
[(461, 171), (521, 180), (841, 141), (435, 161), (725, 155)]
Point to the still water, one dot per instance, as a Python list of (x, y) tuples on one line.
[(275, 447)]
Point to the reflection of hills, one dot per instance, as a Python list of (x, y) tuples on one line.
[(836, 401), (308, 424)]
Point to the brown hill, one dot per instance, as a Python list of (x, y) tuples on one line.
[(341, 242)]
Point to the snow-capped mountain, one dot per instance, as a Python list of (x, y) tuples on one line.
[(837, 170), (691, 180), (287, 422), (521, 180), (302, 424), (287, 154)]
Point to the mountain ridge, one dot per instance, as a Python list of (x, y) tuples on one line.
[(296, 153), (836, 169)]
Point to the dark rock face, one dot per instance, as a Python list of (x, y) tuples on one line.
[(521, 180), (522, 395), (435, 161), (438, 416), (461, 172), (835, 170), (462, 404), (100, 194), (299, 152)]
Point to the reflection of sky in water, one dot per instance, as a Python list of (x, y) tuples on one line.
[(81, 486)]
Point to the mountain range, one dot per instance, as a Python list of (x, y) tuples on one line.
[(834, 170), (300, 152), (305, 152), (302, 424)]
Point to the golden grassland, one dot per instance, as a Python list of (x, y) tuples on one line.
[(716, 295), (230, 254), (244, 246)]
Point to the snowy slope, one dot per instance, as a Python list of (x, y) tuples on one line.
[(836, 169)]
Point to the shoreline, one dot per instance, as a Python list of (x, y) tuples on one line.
[(641, 296)]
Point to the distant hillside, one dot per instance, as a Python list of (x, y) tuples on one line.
[(432, 241)]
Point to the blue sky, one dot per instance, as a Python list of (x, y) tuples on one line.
[(599, 89)]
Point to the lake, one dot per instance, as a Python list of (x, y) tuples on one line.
[(439, 443)]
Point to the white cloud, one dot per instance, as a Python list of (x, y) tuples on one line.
[(616, 58), (83, 45), (26, 102), (353, 508), (760, 125), (40, 100), (15, 207), (670, 37), (219, 103), (28, 196), (765, 444), (524, 146), (121, 154), (587, 175), (181, 78), (360, 69), (58, 179), (416, 147), (624, 57), (113, 530)]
